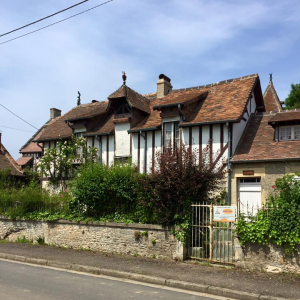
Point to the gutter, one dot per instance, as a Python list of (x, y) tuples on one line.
[(265, 160), (181, 112), (144, 130), (229, 164), (208, 123)]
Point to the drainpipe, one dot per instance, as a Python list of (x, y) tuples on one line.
[(145, 151), (100, 148), (181, 112), (229, 164)]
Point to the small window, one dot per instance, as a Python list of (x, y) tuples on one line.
[(289, 133), (249, 180), (171, 134)]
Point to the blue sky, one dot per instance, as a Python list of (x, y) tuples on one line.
[(194, 42)]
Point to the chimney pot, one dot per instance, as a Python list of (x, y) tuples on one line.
[(54, 113), (164, 86)]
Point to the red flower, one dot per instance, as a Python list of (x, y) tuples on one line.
[(273, 186)]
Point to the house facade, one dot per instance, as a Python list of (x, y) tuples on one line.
[(132, 126), (268, 149)]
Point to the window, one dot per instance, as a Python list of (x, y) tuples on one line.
[(171, 134), (288, 133)]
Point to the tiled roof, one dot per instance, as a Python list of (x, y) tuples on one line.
[(134, 99), (60, 129), (24, 160), (286, 116), (223, 101), (258, 144), (151, 121), (105, 127), (181, 97), (30, 146), (7, 161), (271, 100)]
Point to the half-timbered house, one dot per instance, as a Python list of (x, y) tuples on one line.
[(129, 125)]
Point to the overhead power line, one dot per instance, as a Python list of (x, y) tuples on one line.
[(18, 116), (43, 18), (16, 128), (18, 37)]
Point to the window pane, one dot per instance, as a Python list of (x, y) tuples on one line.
[(285, 133), (168, 133), (177, 139), (297, 132)]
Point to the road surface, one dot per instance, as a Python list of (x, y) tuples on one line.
[(26, 282)]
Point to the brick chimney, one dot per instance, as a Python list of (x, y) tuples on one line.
[(164, 86), (54, 113)]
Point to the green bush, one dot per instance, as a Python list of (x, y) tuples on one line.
[(279, 221), (110, 192)]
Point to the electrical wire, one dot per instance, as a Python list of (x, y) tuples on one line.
[(43, 18), (16, 129), (18, 37), (18, 116)]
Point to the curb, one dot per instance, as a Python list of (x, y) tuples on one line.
[(195, 287)]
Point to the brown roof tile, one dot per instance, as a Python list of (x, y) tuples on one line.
[(223, 101), (181, 97), (60, 129), (24, 160), (271, 100), (286, 116), (134, 99), (257, 142), (105, 127), (7, 161)]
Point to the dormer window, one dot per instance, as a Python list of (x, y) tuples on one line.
[(289, 133)]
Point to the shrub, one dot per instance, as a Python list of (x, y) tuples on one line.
[(177, 180), (279, 220), (108, 191)]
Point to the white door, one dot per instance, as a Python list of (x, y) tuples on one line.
[(250, 196)]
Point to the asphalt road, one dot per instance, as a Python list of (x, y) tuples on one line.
[(26, 282)]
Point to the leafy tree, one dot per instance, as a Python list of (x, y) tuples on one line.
[(293, 99), (57, 162)]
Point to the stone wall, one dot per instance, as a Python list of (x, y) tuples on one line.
[(269, 258), (136, 239)]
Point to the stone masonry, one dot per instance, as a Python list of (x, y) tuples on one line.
[(135, 239)]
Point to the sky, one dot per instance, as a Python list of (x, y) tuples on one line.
[(194, 42)]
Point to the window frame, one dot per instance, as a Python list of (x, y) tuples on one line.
[(174, 139), (292, 127)]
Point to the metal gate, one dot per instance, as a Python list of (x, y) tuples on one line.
[(211, 241)]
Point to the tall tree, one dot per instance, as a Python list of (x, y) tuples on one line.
[(293, 99)]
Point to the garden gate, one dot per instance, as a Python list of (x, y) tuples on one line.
[(211, 241)]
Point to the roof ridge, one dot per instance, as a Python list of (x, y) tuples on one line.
[(289, 110), (216, 83)]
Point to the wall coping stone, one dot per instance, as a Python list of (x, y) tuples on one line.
[(99, 223)]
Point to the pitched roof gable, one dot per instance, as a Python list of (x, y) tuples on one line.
[(271, 100), (134, 99), (7, 161), (60, 129), (258, 144)]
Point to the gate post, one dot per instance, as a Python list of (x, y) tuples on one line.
[(211, 232), (181, 251)]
